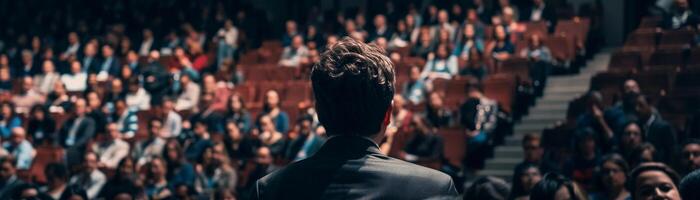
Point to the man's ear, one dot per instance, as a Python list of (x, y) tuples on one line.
[(387, 115)]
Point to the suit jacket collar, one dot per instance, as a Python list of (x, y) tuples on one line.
[(348, 146)]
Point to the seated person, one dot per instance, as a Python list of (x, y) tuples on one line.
[(189, 96), (111, 150), (440, 64), (680, 16), (414, 89), (294, 55), (90, 178), (467, 42), (436, 112), (145, 150), (76, 80), (501, 48), (28, 96), (20, 148)]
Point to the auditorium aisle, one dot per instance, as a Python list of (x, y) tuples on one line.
[(549, 109)]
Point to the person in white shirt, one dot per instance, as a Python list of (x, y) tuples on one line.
[(294, 55), (147, 43), (137, 98), (172, 126), (20, 148), (146, 150), (228, 41), (189, 97), (91, 179), (76, 80), (73, 46), (43, 83), (113, 149)]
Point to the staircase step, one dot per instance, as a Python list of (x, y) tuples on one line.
[(500, 173), (508, 152), (502, 163)]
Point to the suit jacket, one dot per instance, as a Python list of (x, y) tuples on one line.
[(86, 129), (661, 135), (351, 167)]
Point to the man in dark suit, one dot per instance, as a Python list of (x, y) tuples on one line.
[(656, 131), (89, 59), (110, 63), (75, 134), (354, 86), (9, 181)]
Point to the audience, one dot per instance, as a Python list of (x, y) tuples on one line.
[(163, 110)]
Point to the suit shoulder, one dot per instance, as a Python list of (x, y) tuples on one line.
[(414, 171)]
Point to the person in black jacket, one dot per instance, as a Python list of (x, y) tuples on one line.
[(354, 87), (540, 12), (656, 131)]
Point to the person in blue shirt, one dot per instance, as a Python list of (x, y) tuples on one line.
[(271, 108), (414, 89), (468, 41), (8, 119), (440, 64), (501, 48)]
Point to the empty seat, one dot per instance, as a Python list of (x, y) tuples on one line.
[(653, 83), (641, 39), (562, 47), (454, 145), (666, 59), (501, 87), (680, 38), (520, 67), (44, 156), (693, 61), (650, 22), (622, 61), (297, 91)]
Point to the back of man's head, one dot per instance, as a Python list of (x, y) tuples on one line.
[(353, 85), (689, 186)]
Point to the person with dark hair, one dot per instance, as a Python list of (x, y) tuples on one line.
[(9, 119), (26, 191), (8, 177), (180, 171), (123, 181), (172, 121), (581, 166), (653, 181), (646, 152), (272, 108), (488, 188), (303, 140), (109, 66), (690, 157), (656, 130), (539, 11), (533, 154), (680, 16), (214, 171), (689, 186), (525, 176), (501, 47), (436, 112), (414, 90), (478, 117), (57, 180), (554, 186), (354, 86), (189, 96), (237, 112), (630, 139), (74, 192), (612, 174), (593, 118), (152, 146), (239, 146), (136, 97), (440, 64), (125, 118), (156, 185), (90, 178), (200, 141)]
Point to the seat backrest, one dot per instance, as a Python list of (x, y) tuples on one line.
[(666, 59), (501, 87), (625, 61)]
